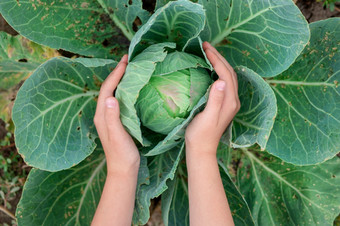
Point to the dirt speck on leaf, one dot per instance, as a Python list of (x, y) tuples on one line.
[(84, 5)]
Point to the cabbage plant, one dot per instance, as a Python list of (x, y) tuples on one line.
[(277, 158)]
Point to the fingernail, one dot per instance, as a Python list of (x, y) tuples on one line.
[(110, 103), (220, 85)]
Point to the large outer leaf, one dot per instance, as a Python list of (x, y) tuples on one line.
[(307, 128), (160, 3), (141, 67), (255, 120), (78, 26), (281, 193), (195, 46), (19, 57), (175, 204), (266, 36), (124, 13), (178, 21), (238, 206), (161, 169), (224, 154), (53, 113), (68, 197)]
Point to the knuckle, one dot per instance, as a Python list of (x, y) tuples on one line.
[(234, 105), (95, 120), (238, 104)]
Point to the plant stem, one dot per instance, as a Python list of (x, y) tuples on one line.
[(118, 23), (7, 212), (8, 146), (336, 8)]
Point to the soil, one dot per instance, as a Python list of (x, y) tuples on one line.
[(312, 10), (3, 130), (20, 169), (156, 214), (4, 26)]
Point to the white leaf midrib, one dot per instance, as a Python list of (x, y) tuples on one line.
[(279, 177), (227, 31), (70, 98)]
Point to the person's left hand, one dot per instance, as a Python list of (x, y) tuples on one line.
[(204, 132), (121, 152)]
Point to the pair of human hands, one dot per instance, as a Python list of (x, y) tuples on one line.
[(203, 133)]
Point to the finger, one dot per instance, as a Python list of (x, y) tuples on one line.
[(207, 45), (222, 72), (114, 126), (231, 95), (215, 101), (110, 85), (113, 79)]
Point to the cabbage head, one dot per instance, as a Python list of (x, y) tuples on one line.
[(160, 90), (167, 100)]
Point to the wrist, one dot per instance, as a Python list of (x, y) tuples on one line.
[(200, 154), (200, 161), (126, 170), (208, 150)]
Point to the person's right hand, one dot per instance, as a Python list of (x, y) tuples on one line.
[(205, 130), (121, 152), (122, 157)]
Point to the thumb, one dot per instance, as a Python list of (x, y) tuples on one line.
[(215, 101), (111, 115)]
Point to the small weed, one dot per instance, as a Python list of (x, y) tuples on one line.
[(13, 173), (330, 4)]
